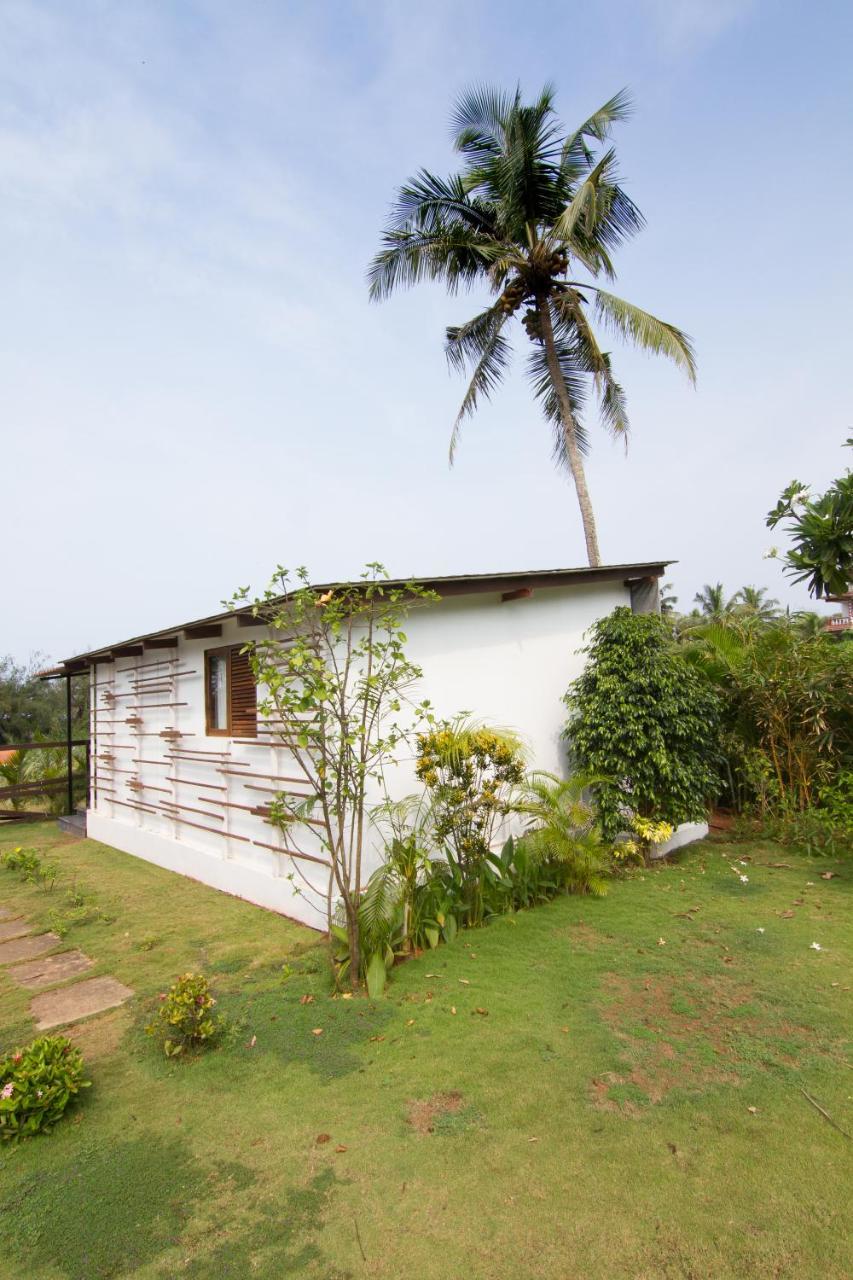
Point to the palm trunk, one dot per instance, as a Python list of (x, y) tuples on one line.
[(573, 453)]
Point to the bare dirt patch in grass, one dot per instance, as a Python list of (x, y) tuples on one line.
[(423, 1114), (100, 1037), (686, 1036)]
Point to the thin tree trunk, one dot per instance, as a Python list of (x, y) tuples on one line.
[(573, 453)]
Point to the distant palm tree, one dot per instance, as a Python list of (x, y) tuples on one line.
[(808, 623), (530, 210), (668, 601), (712, 601), (751, 602)]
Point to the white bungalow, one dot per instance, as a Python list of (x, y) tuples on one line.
[(182, 766)]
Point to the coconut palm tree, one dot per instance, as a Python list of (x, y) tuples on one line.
[(712, 601), (751, 602), (534, 215)]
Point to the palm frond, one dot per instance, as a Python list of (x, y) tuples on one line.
[(477, 120), (543, 389), (456, 255), (581, 209), (428, 202), (482, 343), (574, 325), (646, 331), (576, 152)]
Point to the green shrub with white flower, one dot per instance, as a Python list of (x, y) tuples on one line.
[(185, 1017), (37, 1084)]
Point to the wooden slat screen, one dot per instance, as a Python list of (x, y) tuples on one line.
[(244, 697)]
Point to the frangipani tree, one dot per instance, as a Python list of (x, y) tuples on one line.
[(534, 216)]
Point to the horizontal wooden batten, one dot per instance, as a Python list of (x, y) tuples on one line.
[(214, 831), (191, 782), (142, 808), (270, 777), (146, 666), (169, 675), (152, 706), (293, 853), (188, 808), (277, 791)]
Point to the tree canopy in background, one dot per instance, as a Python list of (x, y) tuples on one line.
[(821, 530), (33, 709)]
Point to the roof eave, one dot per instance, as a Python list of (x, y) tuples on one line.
[(459, 585)]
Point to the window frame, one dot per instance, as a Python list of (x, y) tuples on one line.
[(211, 732)]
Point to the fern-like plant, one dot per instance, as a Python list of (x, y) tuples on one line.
[(562, 831)]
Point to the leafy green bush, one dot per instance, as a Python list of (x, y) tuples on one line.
[(37, 1084), (185, 1016), (470, 772), (645, 722), (787, 710), (30, 867), (25, 861)]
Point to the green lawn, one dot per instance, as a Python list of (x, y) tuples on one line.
[(617, 1094)]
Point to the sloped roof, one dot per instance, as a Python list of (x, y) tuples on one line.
[(451, 585)]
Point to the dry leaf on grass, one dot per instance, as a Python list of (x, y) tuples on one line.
[(306, 999), (322, 1137), (318, 1031)]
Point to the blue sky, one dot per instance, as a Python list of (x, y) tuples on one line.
[(195, 388)]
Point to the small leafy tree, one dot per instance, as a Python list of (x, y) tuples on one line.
[(644, 720), (335, 679), (470, 772), (821, 530)]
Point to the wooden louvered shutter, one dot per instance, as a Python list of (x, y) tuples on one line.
[(244, 697)]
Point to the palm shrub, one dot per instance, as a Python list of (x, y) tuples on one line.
[(533, 217), (562, 832), (645, 722)]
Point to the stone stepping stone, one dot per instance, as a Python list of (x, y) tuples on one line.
[(14, 929), (27, 948), (80, 1000), (51, 969)]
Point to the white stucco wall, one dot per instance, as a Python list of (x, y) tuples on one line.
[(508, 663)]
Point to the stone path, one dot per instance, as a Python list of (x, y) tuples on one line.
[(55, 968), (68, 1004), (13, 929), (63, 1004)]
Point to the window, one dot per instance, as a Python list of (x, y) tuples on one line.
[(230, 693)]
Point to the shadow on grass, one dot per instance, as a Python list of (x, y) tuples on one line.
[(106, 1212)]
